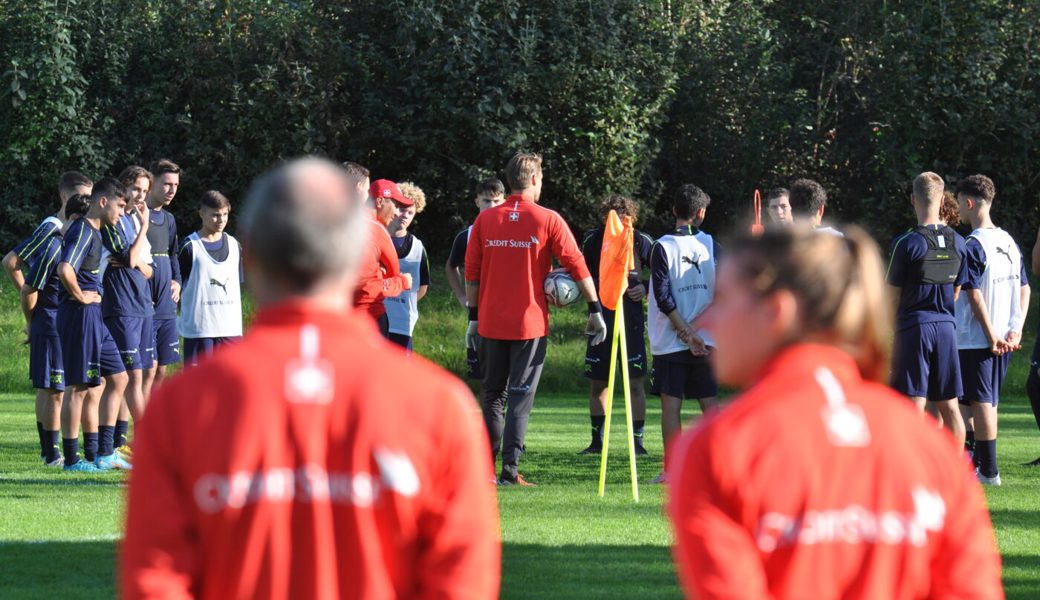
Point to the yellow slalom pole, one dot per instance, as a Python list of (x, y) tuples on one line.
[(607, 410), (619, 323)]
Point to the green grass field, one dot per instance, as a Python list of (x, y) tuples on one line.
[(59, 534)]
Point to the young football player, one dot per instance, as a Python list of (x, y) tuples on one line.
[(682, 285), (778, 207), (597, 358), (166, 280), (211, 268), (40, 296), (489, 193), (402, 311), (926, 270), (808, 202), (991, 312), (818, 481), (69, 184), (88, 351)]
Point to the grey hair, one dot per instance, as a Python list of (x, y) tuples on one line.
[(303, 225)]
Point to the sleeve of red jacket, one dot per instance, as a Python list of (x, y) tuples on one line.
[(393, 282), (160, 552), (461, 554), (715, 554), (566, 250), (967, 564)]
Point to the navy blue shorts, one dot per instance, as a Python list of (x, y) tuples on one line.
[(133, 338), (925, 363), (88, 352), (682, 379), (402, 340), (167, 342), (46, 370), (474, 369), (983, 373), (196, 349), (597, 358)]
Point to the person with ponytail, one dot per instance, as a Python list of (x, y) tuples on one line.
[(796, 489)]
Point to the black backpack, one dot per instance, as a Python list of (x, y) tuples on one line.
[(941, 263)]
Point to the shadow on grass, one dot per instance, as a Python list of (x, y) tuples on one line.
[(1021, 577), (10, 482), (587, 571), (57, 569)]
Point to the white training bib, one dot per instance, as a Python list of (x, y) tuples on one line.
[(691, 272), (1000, 286), (211, 301), (403, 310)]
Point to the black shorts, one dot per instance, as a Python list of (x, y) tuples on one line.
[(682, 375), (597, 358)]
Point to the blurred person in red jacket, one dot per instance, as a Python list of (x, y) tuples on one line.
[(818, 481), (312, 459)]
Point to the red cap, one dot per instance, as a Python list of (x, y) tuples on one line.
[(384, 188)]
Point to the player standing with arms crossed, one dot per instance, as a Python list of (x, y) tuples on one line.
[(166, 279), (796, 490), (510, 252), (926, 269), (278, 468), (991, 312)]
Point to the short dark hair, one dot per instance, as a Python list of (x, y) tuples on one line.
[(214, 199), (807, 197), (979, 187), (132, 173), (779, 192), (622, 205), (108, 187), (70, 180), (77, 206), (688, 200), (492, 186), (356, 172), (163, 166)]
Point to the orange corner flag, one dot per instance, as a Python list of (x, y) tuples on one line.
[(756, 227), (615, 260)]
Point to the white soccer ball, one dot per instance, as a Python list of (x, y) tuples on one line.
[(560, 289)]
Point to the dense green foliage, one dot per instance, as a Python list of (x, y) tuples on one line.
[(624, 96)]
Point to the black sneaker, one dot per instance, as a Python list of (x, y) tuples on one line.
[(641, 451), (593, 448), (1035, 463), (520, 481)]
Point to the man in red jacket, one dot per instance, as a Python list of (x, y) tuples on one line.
[(379, 274), (280, 468), (510, 252)]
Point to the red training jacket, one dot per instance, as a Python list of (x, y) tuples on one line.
[(379, 272), (311, 460), (817, 484), (511, 249)]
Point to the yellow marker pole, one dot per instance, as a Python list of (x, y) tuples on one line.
[(618, 338), (608, 409)]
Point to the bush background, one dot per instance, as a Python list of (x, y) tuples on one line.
[(621, 96)]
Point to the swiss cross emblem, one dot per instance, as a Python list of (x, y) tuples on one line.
[(514, 216), (386, 193)]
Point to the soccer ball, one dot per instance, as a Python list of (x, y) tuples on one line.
[(560, 289)]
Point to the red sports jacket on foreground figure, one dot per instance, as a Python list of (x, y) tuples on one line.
[(311, 460), (816, 484)]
